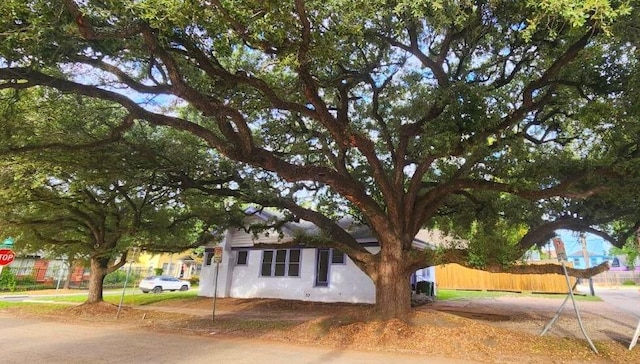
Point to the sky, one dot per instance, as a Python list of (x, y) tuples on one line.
[(595, 244)]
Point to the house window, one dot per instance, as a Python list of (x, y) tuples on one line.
[(337, 257), (322, 267), (280, 263), (576, 262), (208, 256), (294, 262), (324, 258), (242, 257), (615, 263)]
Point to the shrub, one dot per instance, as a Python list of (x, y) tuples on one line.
[(194, 280), (158, 271), (7, 280), (35, 287), (26, 280), (120, 276), (628, 283), (115, 277)]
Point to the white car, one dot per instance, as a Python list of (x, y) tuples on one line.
[(157, 284)]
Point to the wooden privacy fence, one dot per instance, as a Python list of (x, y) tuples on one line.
[(454, 276), (617, 278)]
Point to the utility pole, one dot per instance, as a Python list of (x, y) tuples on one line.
[(585, 255)]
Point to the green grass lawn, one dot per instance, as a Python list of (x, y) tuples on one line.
[(130, 298), (49, 304), (33, 308), (450, 294), (136, 298)]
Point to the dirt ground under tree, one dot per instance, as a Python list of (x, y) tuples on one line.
[(495, 330)]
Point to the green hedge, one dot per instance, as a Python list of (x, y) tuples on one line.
[(119, 276)]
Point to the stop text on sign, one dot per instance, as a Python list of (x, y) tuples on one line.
[(6, 256)]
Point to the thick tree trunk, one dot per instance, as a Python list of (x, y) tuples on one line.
[(393, 288), (96, 280)]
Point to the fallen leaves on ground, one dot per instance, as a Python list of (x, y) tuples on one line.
[(434, 332)]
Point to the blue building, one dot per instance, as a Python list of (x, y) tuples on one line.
[(597, 248), (577, 259)]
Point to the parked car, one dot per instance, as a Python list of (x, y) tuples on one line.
[(157, 284)]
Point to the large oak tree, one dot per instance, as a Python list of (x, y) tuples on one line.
[(490, 120)]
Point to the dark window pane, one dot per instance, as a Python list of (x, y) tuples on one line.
[(267, 258), (279, 272), (266, 270), (207, 258), (294, 256), (322, 267), (294, 270), (242, 257), (337, 257), (281, 256)]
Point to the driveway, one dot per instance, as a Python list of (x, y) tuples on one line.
[(39, 341)]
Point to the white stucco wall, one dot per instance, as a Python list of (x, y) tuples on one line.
[(347, 283), (224, 271)]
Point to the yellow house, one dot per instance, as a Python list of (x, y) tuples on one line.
[(180, 265)]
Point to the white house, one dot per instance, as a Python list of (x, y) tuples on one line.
[(296, 273)]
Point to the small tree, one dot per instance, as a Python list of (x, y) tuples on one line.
[(630, 251), (87, 195), (7, 280)]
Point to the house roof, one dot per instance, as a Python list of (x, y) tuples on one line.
[(357, 231), (361, 233), (580, 254)]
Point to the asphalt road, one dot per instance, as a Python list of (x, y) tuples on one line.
[(625, 298), (38, 341), (14, 298)]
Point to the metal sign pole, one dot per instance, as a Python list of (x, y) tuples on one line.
[(126, 280), (215, 293), (132, 256), (217, 258), (60, 275), (562, 257), (634, 341), (575, 308), (557, 315)]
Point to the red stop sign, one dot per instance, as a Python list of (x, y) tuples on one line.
[(6, 256)]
